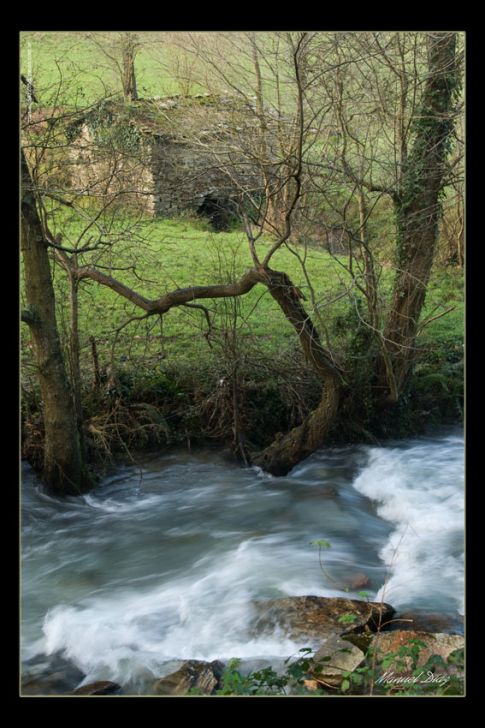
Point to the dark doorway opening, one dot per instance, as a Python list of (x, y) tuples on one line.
[(218, 210)]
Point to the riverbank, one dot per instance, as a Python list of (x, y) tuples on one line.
[(198, 409), (236, 375), (356, 647)]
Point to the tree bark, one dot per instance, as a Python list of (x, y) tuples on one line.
[(128, 51), (287, 450), (63, 469), (417, 213)]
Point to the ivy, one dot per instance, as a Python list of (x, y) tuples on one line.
[(432, 129), (111, 127)]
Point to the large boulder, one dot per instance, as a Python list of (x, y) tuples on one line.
[(388, 643), (100, 687), (196, 675), (316, 618), (359, 581)]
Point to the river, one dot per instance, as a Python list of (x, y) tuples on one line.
[(162, 561)]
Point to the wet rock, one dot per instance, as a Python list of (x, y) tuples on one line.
[(55, 684), (314, 618), (424, 621), (49, 675), (101, 687), (439, 644), (193, 674), (359, 581), (344, 656)]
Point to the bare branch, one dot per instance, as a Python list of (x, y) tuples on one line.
[(178, 297), (427, 321)]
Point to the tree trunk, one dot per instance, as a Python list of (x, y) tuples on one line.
[(63, 468), (417, 212), (371, 284), (287, 450), (128, 50)]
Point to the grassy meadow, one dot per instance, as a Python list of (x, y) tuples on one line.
[(162, 255), (75, 62)]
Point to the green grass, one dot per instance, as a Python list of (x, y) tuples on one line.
[(73, 60), (168, 254), (176, 254)]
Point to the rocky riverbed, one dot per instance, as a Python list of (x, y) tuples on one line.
[(340, 646)]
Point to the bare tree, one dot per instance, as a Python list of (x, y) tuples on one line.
[(287, 450), (63, 469), (418, 207), (392, 124), (120, 50), (75, 191)]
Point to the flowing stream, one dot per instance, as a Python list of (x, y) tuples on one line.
[(161, 563)]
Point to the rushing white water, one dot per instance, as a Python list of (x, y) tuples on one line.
[(163, 564), (419, 488)]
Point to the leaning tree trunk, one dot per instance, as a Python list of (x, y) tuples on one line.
[(287, 450), (417, 209), (63, 469)]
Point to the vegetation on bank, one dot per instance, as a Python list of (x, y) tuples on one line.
[(171, 382), (399, 673)]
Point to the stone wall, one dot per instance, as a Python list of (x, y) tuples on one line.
[(109, 173), (166, 179), (189, 157), (186, 179)]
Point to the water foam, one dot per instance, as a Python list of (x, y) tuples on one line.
[(420, 490), (127, 634)]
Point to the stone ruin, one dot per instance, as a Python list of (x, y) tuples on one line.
[(173, 156), (168, 156)]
